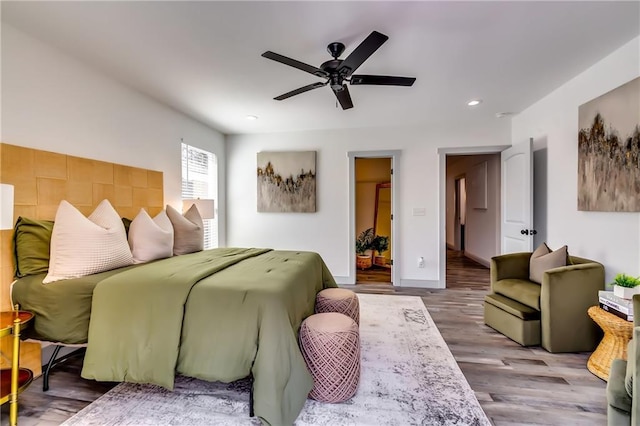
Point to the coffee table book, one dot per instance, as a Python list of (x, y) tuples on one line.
[(626, 317), (623, 305)]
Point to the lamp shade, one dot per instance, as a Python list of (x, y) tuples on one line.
[(6, 206), (205, 206)]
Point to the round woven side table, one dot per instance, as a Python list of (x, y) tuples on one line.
[(617, 333), (339, 300), (330, 344)]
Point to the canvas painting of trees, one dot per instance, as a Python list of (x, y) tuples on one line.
[(287, 181), (609, 151)]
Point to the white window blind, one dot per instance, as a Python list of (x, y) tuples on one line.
[(200, 180)]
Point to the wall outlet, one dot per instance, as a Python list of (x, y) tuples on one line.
[(421, 262)]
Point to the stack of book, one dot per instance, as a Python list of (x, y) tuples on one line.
[(618, 306)]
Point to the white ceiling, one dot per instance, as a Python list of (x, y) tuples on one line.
[(203, 58)]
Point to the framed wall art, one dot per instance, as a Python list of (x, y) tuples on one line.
[(609, 151), (287, 181)]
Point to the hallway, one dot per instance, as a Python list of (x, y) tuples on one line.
[(464, 273)]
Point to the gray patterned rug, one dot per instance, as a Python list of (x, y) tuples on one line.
[(409, 377)]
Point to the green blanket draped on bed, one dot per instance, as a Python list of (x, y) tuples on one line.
[(215, 315)]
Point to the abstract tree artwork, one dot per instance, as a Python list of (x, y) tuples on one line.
[(287, 181), (609, 151)]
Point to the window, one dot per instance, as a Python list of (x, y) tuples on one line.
[(200, 180)]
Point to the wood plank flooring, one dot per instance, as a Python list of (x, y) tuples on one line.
[(515, 385), (374, 275)]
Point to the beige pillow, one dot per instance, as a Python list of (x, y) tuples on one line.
[(188, 230), (543, 259), (150, 239), (83, 246)]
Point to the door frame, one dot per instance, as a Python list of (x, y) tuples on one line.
[(442, 169), (395, 227)]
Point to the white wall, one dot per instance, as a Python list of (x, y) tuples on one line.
[(326, 231), (52, 102), (482, 229), (611, 238)]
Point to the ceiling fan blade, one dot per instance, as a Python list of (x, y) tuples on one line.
[(362, 52), (382, 80), (300, 90), (343, 97), (296, 64)]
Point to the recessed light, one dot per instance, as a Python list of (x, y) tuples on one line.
[(251, 117), (474, 102)]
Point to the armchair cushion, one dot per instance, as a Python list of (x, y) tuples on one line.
[(544, 259), (617, 395), (523, 291)]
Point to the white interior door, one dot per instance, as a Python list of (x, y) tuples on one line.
[(517, 199)]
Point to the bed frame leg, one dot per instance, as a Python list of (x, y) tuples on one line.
[(251, 413), (45, 375), (53, 361)]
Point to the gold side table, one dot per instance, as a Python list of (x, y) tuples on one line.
[(15, 379), (617, 333)]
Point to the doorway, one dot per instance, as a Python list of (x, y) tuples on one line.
[(472, 219), (373, 220)]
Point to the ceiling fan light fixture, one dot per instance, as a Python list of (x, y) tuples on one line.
[(474, 102), (338, 72)]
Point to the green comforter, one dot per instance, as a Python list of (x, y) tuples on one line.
[(215, 315)]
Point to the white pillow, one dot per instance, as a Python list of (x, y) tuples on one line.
[(188, 230), (82, 246), (150, 239)]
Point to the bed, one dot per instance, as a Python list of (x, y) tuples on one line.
[(217, 315)]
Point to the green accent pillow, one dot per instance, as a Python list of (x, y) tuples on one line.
[(31, 241)]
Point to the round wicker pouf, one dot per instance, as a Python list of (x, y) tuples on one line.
[(338, 300), (331, 348)]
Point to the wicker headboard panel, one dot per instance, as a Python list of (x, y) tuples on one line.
[(42, 179)]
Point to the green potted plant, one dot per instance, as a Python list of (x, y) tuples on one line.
[(626, 286), (380, 244), (363, 243)]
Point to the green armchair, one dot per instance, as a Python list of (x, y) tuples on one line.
[(552, 314), (623, 388)]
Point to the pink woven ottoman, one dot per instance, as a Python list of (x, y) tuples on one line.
[(338, 300), (330, 345)]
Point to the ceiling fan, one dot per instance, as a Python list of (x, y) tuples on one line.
[(338, 72)]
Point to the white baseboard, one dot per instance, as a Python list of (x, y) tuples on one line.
[(480, 260), (343, 280), (420, 283)]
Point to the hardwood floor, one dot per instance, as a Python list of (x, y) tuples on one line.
[(515, 385), (464, 273), (374, 275)]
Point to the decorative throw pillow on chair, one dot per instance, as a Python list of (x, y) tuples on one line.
[(543, 258)]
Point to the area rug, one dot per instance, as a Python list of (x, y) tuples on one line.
[(409, 377)]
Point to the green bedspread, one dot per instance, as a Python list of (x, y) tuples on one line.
[(215, 315), (62, 309)]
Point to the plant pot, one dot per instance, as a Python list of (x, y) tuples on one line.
[(363, 261), (380, 260), (625, 292)]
